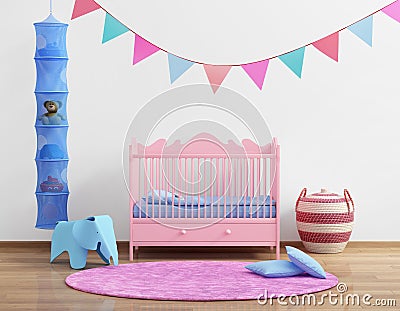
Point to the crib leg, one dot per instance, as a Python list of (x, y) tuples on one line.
[(130, 251), (136, 251), (278, 251)]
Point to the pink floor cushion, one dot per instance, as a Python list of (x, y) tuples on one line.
[(192, 281)]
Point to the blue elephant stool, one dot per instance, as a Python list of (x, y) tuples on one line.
[(77, 237)]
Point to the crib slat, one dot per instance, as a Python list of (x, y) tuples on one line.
[(272, 172), (257, 212), (234, 178), (224, 183), (179, 185), (192, 194), (139, 187), (156, 170), (217, 179), (258, 176), (237, 191), (240, 181), (145, 187), (230, 180), (246, 186), (204, 186), (198, 188), (186, 185), (162, 184), (173, 184), (152, 186), (265, 181), (165, 182), (158, 181), (211, 188), (251, 187)]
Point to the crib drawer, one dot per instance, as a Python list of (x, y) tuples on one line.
[(214, 233)]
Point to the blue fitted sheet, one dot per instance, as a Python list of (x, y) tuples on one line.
[(209, 207), (167, 198)]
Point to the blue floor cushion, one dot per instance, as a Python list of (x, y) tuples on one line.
[(305, 262), (275, 268)]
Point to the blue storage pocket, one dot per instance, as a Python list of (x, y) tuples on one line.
[(51, 40), (52, 176), (51, 74), (51, 108), (51, 208), (51, 143)]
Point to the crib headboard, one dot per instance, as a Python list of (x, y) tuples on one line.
[(204, 166)]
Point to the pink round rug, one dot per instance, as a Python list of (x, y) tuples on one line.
[(191, 281)]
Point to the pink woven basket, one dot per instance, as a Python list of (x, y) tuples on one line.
[(324, 220)]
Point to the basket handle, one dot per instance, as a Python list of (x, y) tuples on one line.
[(348, 200), (302, 195)]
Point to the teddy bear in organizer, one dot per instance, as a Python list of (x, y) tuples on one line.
[(52, 116)]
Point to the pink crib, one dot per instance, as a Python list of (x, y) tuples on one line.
[(204, 193)]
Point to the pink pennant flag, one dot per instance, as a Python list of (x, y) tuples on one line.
[(82, 7), (329, 46), (257, 71), (142, 49), (216, 74), (393, 10)]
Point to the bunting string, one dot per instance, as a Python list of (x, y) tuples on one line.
[(216, 74)]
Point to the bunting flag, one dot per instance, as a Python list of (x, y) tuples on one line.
[(363, 29), (329, 46), (294, 60), (216, 74), (83, 7), (112, 28), (177, 66), (393, 10), (257, 71), (143, 49)]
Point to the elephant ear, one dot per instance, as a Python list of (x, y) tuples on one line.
[(85, 233)]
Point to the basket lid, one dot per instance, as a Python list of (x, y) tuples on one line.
[(324, 196)]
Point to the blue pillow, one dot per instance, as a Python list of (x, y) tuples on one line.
[(275, 268), (305, 262), (163, 197)]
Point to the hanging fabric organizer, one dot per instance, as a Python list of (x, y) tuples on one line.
[(51, 122)]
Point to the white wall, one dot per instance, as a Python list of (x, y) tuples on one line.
[(338, 126)]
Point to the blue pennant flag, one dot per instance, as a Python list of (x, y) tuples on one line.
[(294, 60), (112, 28), (177, 66), (363, 29)]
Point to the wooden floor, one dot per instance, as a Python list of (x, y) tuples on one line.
[(29, 282)]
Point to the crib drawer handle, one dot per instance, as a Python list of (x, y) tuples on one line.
[(183, 231), (228, 231)]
